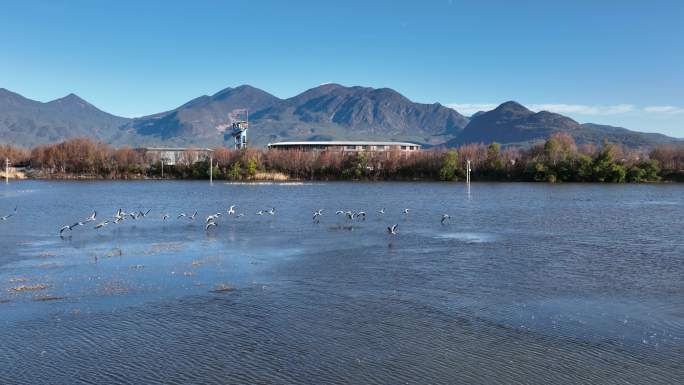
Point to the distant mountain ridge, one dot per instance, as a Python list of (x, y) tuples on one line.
[(513, 123), (327, 112), (27, 122)]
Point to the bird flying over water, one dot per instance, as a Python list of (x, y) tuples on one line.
[(381, 211), (8, 216), (102, 224), (210, 225), (392, 230), (212, 218), (91, 218), (406, 211), (445, 217), (165, 217), (142, 214), (231, 210)]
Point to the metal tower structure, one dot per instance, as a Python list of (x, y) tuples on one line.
[(239, 128)]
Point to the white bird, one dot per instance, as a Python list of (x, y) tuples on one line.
[(361, 214), (271, 211), (338, 212), (120, 216), (406, 211), (91, 218), (260, 212), (212, 218), (210, 225), (181, 215), (445, 217), (8, 216), (144, 214), (381, 211), (165, 217), (231, 210), (102, 224), (317, 213), (392, 230)]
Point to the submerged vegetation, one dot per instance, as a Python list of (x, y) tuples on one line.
[(558, 159)]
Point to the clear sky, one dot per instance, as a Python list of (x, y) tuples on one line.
[(605, 61)]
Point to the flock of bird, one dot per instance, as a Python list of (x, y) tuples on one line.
[(211, 221)]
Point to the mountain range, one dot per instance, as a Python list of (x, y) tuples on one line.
[(326, 112)]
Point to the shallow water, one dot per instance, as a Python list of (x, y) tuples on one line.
[(528, 283)]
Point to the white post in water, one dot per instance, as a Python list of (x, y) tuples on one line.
[(7, 170), (468, 172)]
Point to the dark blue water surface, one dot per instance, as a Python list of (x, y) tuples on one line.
[(527, 284)]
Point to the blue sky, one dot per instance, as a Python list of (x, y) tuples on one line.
[(615, 62)]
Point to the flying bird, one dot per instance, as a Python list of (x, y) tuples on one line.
[(8, 216), (406, 211), (381, 211), (392, 230), (143, 214), (102, 224), (212, 218), (445, 217), (231, 210), (210, 225), (91, 218)]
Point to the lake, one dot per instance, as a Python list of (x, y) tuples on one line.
[(525, 284)]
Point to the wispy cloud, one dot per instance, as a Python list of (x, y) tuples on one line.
[(664, 109), (471, 108), (584, 109), (578, 109)]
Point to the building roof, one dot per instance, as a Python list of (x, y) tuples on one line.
[(342, 143)]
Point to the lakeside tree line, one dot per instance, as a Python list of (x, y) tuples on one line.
[(558, 159)]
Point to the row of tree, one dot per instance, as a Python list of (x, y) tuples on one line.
[(558, 159)]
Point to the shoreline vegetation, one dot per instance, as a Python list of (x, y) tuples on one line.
[(558, 159)]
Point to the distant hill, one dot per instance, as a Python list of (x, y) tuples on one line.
[(26, 122), (339, 112), (512, 123), (326, 112), (329, 111), (201, 120)]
